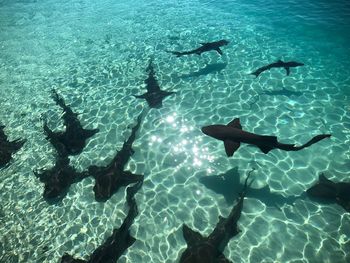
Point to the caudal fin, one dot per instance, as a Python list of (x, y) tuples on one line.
[(315, 139)]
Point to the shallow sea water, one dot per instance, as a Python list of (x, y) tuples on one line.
[(96, 54)]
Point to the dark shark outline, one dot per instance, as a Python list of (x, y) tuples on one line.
[(232, 135), (8, 148), (210, 249), (208, 69), (74, 137), (121, 239), (327, 190), (278, 64), (205, 47), (154, 95), (59, 178), (108, 179)]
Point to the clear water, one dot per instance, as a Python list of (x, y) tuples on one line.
[(95, 54)]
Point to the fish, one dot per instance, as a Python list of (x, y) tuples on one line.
[(59, 178), (210, 249), (205, 47), (110, 178), (121, 239), (8, 148), (278, 64), (73, 139), (154, 95), (232, 135), (327, 190)]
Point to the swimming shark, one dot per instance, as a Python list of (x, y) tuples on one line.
[(278, 64), (110, 178), (232, 135), (75, 136), (205, 47), (59, 178), (154, 95), (115, 245), (327, 190), (228, 185), (210, 249), (7, 148)]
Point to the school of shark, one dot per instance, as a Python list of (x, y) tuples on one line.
[(113, 177)]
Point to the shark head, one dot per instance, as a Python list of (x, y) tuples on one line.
[(209, 130), (224, 42)]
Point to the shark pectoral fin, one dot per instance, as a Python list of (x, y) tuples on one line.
[(219, 51), (231, 147), (235, 123), (192, 237), (287, 70)]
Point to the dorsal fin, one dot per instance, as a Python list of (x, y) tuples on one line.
[(322, 178), (192, 237), (235, 123)]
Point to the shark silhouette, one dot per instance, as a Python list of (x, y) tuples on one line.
[(154, 95), (115, 245), (278, 64), (327, 190), (110, 178), (210, 249), (8, 148), (59, 178), (232, 135), (228, 185), (74, 137), (208, 69), (205, 47)]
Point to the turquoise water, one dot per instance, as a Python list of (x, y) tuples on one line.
[(95, 55)]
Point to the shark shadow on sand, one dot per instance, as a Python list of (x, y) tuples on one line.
[(115, 245), (154, 95), (210, 249), (278, 64), (232, 135), (73, 139), (228, 185), (8, 148), (110, 178), (327, 191), (205, 47), (208, 69)]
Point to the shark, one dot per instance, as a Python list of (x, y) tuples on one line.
[(7, 148), (154, 95), (232, 135), (110, 178), (228, 185), (120, 240), (328, 190), (205, 47), (278, 64), (59, 178), (73, 139), (210, 249)]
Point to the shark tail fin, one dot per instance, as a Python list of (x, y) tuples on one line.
[(176, 53), (315, 139)]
